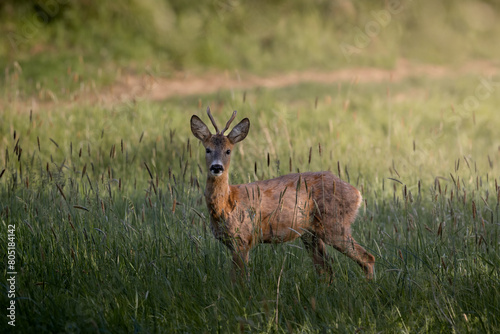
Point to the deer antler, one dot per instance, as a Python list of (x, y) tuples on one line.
[(229, 122), (213, 121)]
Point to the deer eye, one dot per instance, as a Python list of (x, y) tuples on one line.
[(208, 151), (228, 152)]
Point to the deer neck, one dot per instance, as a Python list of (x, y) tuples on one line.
[(217, 194)]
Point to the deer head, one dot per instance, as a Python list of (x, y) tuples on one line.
[(218, 147)]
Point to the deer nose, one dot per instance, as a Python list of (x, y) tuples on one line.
[(216, 169)]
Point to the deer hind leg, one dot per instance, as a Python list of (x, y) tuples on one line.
[(316, 247), (348, 246)]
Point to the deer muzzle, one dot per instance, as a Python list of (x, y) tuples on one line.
[(216, 169)]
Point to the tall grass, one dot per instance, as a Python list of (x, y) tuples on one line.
[(112, 230)]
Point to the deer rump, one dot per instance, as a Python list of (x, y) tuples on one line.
[(285, 208)]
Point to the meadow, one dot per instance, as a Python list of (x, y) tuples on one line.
[(102, 202), (112, 232)]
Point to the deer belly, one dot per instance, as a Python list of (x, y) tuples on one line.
[(284, 228)]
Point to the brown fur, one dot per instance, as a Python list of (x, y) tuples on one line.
[(315, 206)]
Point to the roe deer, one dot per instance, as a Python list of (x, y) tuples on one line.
[(317, 207)]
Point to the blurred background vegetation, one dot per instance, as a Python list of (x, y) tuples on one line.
[(92, 37)]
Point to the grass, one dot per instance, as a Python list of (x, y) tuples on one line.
[(112, 232), (93, 41)]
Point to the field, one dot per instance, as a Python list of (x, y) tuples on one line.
[(101, 194)]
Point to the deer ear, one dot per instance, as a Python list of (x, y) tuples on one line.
[(239, 132), (199, 129)]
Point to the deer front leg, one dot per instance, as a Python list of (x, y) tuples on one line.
[(240, 261)]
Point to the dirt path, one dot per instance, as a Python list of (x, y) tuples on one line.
[(184, 84)]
